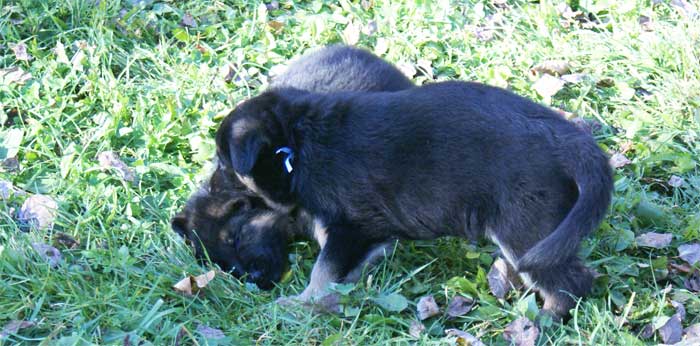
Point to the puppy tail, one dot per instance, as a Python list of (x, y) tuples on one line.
[(590, 168)]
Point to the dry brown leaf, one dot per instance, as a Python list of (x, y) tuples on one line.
[(20, 50), (690, 253), (692, 331), (209, 332), (191, 285), (548, 85), (275, 25), (14, 74), (39, 211), (574, 78), (685, 8), (460, 306), (65, 241), (49, 253), (427, 307), (619, 160), (521, 332), (464, 338), (645, 23), (14, 326), (370, 28), (407, 69), (654, 240), (606, 82), (680, 309), (552, 67), (647, 331), (188, 21), (672, 331), (675, 181), (110, 160), (499, 285), (351, 33), (60, 52), (692, 282), (416, 329)]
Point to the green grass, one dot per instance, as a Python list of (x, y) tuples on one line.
[(153, 91)]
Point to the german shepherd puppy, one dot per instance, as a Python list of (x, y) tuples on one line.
[(452, 158), (234, 227)]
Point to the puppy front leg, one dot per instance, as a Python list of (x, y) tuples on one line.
[(345, 249)]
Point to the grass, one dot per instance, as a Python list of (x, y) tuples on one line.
[(139, 78)]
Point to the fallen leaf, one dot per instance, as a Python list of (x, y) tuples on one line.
[(680, 309), (20, 50), (675, 181), (500, 3), (692, 331), (688, 342), (351, 33), (619, 160), (427, 307), (416, 329), (39, 211), (685, 8), (110, 160), (645, 23), (464, 338), (606, 82), (180, 334), (192, 285), (574, 78), (14, 326), (10, 164), (6, 189), (672, 331), (10, 143), (551, 67), (381, 46), (273, 6), (460, 306), (275, 25), (521, 332), (483, 34), (499, 285), (690, 253), (60, 51), (654, 240), (692, 282), (209, 332), (407, 69), (370, 28), (391, 302), (65, 241), (548, 85), (188, 21), (647, 331), (48, 253), (425, 67)]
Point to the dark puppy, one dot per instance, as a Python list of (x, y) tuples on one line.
[(232, 226), (453, 158)]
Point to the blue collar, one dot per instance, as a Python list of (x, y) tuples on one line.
[(288, 159)]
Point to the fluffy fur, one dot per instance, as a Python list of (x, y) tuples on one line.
[(233, 227), (453, 158)]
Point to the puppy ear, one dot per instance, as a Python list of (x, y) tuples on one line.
[(179, 224), (239, 142)]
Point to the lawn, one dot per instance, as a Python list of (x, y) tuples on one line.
[(149, 80)]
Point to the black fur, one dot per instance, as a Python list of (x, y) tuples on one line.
[(452, 158), (216, 219)]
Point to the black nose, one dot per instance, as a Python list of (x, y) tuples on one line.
[(259, 278)]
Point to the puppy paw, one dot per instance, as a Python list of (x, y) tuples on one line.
[(327, 303)]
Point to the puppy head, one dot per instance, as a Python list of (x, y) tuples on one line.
[(248, 140), (236, 231)]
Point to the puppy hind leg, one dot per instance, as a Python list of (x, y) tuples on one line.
[(560, 285)]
